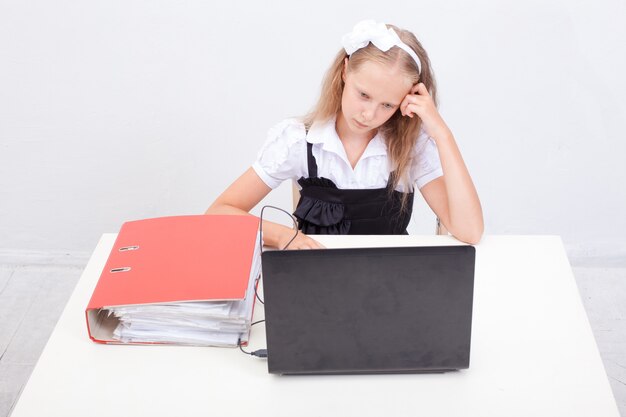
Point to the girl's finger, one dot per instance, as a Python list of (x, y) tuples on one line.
[(318, 245), (405, 106), (422, 90), (410, 110), (313, 244), (414, 99)]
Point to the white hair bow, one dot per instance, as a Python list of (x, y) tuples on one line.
[(378, 34)]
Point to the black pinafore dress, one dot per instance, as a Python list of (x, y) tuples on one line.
[(324, 209)]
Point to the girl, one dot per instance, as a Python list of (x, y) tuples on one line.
[(374, 134)]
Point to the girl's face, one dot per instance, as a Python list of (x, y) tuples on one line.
[(371, 95)]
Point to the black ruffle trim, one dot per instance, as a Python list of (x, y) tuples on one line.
[(321, 217), (316, 182)]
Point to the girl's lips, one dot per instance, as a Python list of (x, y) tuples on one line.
[(361, 125)]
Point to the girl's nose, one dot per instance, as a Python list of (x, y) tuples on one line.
[(368, 113)]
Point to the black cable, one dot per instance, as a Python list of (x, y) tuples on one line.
[(259, 353), (256, 294), (262, 353), (261, 226), (256, 283)]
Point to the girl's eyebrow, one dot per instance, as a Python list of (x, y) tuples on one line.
[(368, 94)]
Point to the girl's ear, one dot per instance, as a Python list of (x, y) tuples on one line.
[(344, 69)]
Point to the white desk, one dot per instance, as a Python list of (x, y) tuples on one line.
[(533, 354)]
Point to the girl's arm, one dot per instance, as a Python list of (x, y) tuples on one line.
[(452, 197), (245, 193)]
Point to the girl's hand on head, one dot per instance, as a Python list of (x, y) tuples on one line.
[(301, 241), (419, 102)]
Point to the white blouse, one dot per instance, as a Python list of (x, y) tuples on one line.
[(284, 156)]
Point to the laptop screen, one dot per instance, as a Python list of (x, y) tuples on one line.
[(368, 310)]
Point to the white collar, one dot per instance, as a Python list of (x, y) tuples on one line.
[(326, 134)]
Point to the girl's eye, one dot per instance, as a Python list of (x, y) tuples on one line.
[(388, 106), (363, 95)]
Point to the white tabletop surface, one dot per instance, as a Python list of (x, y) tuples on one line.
[(533, 354)]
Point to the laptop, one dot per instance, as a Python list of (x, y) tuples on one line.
[(368, 310)]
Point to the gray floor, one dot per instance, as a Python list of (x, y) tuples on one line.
[(32, 298)]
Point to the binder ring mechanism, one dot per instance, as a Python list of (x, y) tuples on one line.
[(124, 268)]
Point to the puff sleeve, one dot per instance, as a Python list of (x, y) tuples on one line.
[(426, 165), (283, 155)]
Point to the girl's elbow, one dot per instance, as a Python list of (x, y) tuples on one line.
[(476, 236), (471, 236), (217, 208), (212, 209), (474, 240)]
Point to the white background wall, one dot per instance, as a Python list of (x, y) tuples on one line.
[(119, 110)]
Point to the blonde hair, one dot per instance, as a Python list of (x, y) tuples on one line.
[(400, 132)]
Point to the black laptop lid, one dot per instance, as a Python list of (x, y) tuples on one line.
[(368, 310)]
